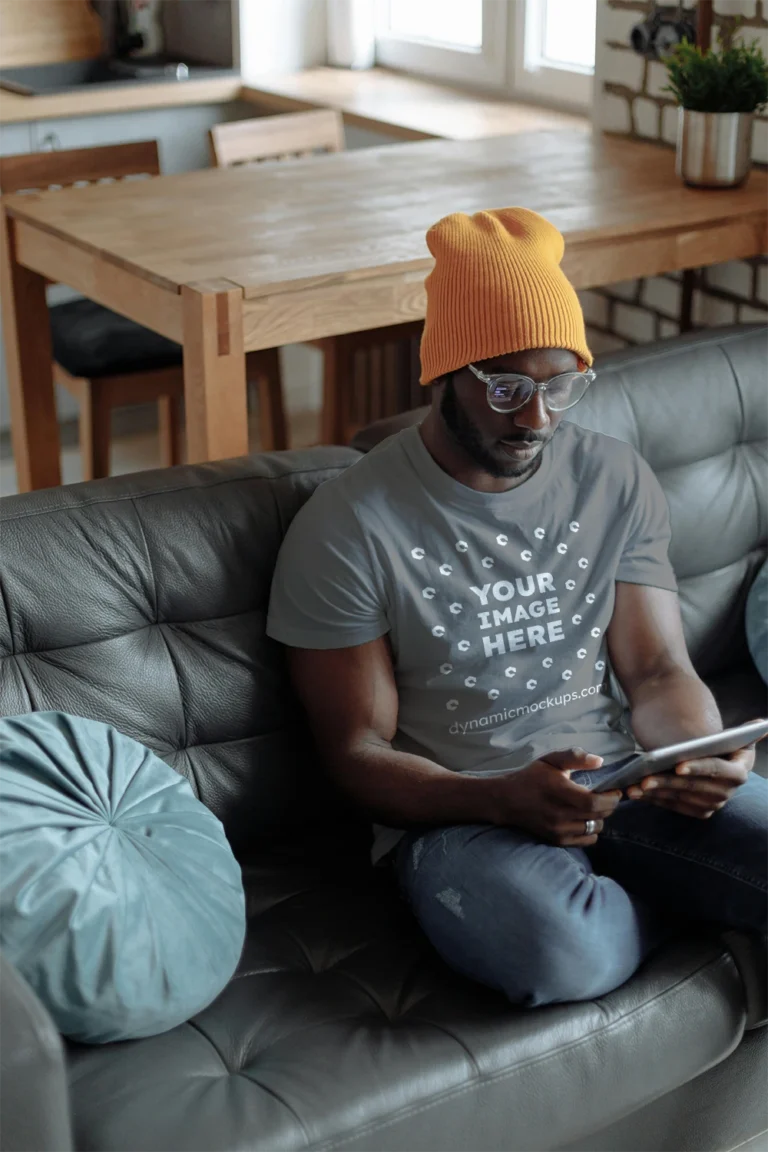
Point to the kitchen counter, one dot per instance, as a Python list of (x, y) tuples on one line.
[(126, 97), (406, 107), (401, 106)]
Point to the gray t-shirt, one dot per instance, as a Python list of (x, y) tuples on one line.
[(496, 604)]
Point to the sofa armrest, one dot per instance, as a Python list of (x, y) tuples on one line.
[(34, 1102), (750, 952)]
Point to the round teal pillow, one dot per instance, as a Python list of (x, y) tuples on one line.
[(121, 901), (756, 621)]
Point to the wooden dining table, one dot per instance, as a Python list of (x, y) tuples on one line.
[(226, 262)]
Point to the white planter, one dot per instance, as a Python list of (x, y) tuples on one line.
[(351, 33)]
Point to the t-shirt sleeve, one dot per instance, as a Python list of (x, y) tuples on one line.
[(326, 592), (645, 559)]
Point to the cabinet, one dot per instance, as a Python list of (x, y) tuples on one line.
[(181, 133), (15, 138), (367, 137)]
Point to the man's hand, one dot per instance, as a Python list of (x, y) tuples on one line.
[(541, 799), (697, 788)]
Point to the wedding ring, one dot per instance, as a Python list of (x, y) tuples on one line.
[(590, 827)]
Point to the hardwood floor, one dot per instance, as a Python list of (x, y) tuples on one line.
[(138, 450), (141, 451)]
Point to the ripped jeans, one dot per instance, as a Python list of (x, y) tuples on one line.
[(545, 924)]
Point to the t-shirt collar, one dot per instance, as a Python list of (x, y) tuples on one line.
[(450, 491)]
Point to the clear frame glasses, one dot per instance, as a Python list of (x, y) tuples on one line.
[(509, 392)]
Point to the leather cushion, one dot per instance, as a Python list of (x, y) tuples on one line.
[(120, 900), (35, 1112), (367, 438), (695, 408), (140, 601), (343, 1029), (725, 1107), (91, 341), (741, 695), (756, 621)]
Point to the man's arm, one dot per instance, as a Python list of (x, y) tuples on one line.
[(668, 702), (350, 697)]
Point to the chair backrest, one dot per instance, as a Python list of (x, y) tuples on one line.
[(277, 137), (37, 171)]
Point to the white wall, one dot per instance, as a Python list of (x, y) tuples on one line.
[(281, 36)]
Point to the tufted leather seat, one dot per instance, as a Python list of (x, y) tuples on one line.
[(141, 601), (342, 1030)]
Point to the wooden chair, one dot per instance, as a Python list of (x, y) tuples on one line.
[(345, 410), (103, 359), (276, 137)]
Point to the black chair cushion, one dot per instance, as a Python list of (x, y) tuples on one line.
[(91, 341), (342, 1029)]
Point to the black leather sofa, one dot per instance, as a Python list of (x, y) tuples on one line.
[(141, 601)]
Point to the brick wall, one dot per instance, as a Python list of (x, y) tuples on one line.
[(629, 100)]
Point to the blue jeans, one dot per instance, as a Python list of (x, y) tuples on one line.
[(545, 924)]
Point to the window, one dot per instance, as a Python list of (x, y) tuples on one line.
[(461, 22), (543, 49), (461, 40), (554, 49)]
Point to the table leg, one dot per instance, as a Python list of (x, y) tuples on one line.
[(214, 371), (686, 300), (29, 361), (338, 386)]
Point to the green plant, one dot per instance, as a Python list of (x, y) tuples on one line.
[(733, 79)]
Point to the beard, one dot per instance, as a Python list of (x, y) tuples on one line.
[(488, 454)]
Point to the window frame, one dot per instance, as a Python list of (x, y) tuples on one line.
[(484, 67), (548, 82), (512, 35)]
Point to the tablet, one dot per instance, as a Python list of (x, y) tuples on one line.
[(665, 759)]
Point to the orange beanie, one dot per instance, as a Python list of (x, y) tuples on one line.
[(497, 287)]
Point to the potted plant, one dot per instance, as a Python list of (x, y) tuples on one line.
[(718, 93)]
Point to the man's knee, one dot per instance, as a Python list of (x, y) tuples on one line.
[(541, 928), (538, 956), (580, 965)]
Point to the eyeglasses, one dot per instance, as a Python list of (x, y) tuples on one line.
[(509, 392)]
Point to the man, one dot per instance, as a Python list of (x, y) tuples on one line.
[(450, 605)]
